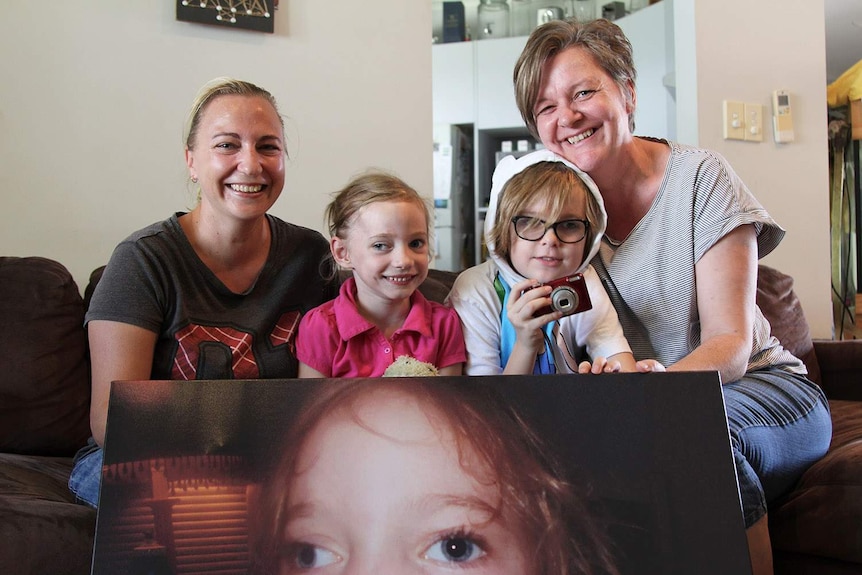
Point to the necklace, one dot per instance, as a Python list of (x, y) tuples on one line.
[(613, 242)]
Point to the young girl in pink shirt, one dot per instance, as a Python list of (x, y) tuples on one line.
[(379, 229)]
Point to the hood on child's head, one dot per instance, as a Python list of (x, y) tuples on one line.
[(505, 171)]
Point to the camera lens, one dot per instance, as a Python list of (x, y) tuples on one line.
[(564, 299)]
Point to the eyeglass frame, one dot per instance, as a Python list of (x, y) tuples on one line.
[(551, 227)]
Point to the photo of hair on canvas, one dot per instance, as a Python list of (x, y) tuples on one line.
[(255, 15), (522, 475)]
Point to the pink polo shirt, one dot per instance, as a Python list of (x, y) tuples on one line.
[(337, 341)]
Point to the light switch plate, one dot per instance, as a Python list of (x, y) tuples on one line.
[(734, 120), (753, 120)]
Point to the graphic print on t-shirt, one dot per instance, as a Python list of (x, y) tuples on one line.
[(225, 352), (284, 331)]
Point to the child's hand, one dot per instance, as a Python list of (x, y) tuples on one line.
[(600, 365), (649, 366), (520, 309), (623, 361)]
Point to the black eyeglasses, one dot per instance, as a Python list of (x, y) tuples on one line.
[(534, 229)]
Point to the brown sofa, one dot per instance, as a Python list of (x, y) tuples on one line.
[(44, 398), (44, 406), (817, 528)]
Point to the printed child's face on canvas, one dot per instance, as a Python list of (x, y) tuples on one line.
[(380, 490)]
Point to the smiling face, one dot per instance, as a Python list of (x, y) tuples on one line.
[(581, 113), (386, 246), (382, 487), (238, 156)]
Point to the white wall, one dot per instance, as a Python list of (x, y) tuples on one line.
[(94, 95), (740, 56)]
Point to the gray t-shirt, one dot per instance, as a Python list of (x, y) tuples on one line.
[(156, 281), (650, 276)]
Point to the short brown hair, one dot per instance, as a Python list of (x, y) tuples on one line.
[(605, 42)]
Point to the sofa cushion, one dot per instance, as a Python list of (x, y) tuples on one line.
[(779, 304), (437, 285), (44, 373), (42, 529), (821, 515)]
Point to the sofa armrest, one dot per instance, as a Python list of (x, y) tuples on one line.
[(840, 367)]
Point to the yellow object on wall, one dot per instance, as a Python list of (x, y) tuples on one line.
[(846, 88)]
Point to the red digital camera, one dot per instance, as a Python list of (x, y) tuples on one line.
[(568, 295)]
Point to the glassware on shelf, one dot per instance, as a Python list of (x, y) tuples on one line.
[(522, 15), (493, 21), (585, 10), (546, 14), (614, 10)]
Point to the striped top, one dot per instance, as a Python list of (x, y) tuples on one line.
[(650, 276)]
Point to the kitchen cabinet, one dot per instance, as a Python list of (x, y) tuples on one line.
[(453, 75), (495, 94)]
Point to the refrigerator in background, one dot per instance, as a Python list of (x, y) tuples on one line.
[(453, 198)]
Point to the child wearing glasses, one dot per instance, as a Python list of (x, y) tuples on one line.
[(545, 221)]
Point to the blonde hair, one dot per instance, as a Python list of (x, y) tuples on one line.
[(369, 188), (215, 89), (554, 184)]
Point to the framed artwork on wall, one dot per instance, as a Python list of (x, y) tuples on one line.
[(246, 14)]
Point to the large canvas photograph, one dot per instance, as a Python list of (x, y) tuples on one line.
[(620, 473)]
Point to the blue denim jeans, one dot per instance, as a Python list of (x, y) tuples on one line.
[(86, 477), (779, 425)]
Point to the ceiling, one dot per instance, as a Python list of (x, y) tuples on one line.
[(843, 36)]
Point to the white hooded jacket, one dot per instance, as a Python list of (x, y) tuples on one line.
[(479, 306)]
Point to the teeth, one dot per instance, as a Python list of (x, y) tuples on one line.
[(399, 279), (581, 136), (245, 189)]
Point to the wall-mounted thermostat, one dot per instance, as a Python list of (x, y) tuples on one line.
[(782, 117)]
